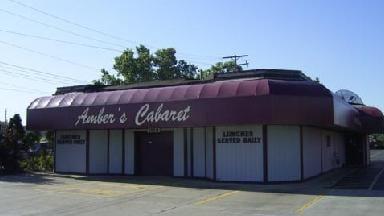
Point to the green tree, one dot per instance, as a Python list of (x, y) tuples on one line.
[(140, 65), (30, 139), (12, 146), (376, 141), (185, 70), (108, 79), (166, 63), (220, 67)]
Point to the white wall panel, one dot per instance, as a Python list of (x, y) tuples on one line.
[(239, 161), (198, 152), (367, 148), (98, 151), (209, 152), (129, 148), (328, 153), (311, 151), (189, 166), (178, 152), (338, 139), (115, 151), (71, 157), (328, 150), (284, 153)]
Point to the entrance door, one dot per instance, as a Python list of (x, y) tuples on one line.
[(154, 153), (354, 149)]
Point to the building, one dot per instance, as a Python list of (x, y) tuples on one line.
[(262, 125)]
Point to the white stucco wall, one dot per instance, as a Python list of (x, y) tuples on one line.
[(312, 141), (129, 147), (178, 152), (98, 151), (322, 154), (209, 152), (284, 153), (71, 157), (239, 161), (328, 149), (339, 140), (198, 152), (189, 167), (115, 151)]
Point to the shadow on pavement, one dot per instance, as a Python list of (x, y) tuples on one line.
[(322, 185), (27, 178), (330, 184)]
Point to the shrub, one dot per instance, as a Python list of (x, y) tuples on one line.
[(43, 163)]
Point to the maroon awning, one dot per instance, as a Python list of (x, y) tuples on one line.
[(372, 119), (241, 101)]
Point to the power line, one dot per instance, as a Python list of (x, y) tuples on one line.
[(56, 76), (57, 28), (48, 55), (60, 41), (93, 29), (18, 90), (82, 44), (12, 73), (245, 64), (234, 58), (69, 32), (26, 75), (23, 87), (91, 38), (73, 23), (39, 73)]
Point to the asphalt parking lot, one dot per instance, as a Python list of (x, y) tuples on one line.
[(42, 194)]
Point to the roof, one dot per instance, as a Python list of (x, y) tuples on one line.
[(292, 99), (235, 101), (217, 89), (278, 74)]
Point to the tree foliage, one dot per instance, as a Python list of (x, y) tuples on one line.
[(376, 141), (15, 145), (39, 158), (140, 65), (12, 145), (220, 67)]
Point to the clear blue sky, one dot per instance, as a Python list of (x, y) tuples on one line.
[(341, 42)]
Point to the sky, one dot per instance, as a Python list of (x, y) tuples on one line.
[(340, 42)]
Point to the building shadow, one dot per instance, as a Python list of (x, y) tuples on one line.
[(321, 185), (360, 182), (27, 178)]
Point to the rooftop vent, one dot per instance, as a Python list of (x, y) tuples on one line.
[(281, 74)]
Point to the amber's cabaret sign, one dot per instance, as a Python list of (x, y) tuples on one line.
[(146, 114)]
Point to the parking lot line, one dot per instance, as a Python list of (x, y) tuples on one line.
[(308, 204), (95, 189), (375, 179), (215, 197)]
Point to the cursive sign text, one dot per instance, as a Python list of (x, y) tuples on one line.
[(146, 115)]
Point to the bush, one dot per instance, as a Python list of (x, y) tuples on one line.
[(42, 163), (376, 141)]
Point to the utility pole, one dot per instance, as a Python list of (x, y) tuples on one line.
[(5, 117), (245, 64), (235, 58)]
